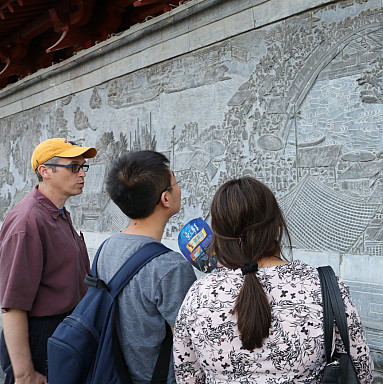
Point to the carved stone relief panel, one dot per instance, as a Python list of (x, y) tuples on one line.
[(297, 104)]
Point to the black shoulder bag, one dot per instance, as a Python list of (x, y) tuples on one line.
[(340, 368)]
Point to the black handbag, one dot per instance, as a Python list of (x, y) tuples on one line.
[(340, 367)]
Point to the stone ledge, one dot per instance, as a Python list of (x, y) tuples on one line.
[(191, 26)]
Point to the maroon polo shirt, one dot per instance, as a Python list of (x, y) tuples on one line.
[(43, 261)]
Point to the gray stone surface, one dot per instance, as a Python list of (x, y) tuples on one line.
[(292, 96)]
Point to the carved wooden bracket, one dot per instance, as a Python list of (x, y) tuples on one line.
[(36, 33)]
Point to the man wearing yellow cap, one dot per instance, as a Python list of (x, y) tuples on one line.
[(43, 261)]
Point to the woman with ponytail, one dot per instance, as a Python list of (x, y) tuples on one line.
[(257, 318)]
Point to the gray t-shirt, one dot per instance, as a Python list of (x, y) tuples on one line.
[(153, 296)]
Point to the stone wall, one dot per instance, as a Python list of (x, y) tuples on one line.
[(290, 92)]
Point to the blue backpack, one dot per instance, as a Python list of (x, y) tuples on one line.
[(84, 349)]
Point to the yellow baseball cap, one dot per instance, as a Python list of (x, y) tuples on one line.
[(61, 148)]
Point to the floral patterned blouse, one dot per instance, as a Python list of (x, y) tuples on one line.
[(207, 346)]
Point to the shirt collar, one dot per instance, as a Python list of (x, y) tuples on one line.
[(43, 200)]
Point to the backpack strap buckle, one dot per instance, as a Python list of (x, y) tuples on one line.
[(95, 282)]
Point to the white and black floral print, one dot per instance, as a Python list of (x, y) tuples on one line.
[(207, 346)]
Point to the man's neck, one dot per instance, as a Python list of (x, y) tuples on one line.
[(152, 226), (53, 196)]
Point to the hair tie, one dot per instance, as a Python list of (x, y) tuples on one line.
[(249, 267)]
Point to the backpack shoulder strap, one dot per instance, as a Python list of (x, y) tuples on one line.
[(91, 279), (161, 369), (131, 266), (333, 304), (95, 260), (135, 262)]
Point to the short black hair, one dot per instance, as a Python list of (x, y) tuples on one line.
[(136, 180)]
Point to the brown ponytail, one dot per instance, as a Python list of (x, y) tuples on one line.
[(248, 224)]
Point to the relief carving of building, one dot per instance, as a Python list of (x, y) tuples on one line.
[(296, 101), (298, 104)]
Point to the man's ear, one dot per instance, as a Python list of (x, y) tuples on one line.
[(43, 170), (164, 200)]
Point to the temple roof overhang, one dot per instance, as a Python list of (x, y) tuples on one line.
[(35, 34)]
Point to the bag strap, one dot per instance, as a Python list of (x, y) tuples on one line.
[(333, 308), (161, 369), (119, 359), (135, 262), (95, 259), (328, 317), (131, 266)]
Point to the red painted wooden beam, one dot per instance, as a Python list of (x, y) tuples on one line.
[(67, 21), (32, 36), (107, 19)]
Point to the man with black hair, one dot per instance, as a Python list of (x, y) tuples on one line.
[(146, 190)]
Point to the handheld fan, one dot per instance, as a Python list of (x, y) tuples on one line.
[(193, 241)]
